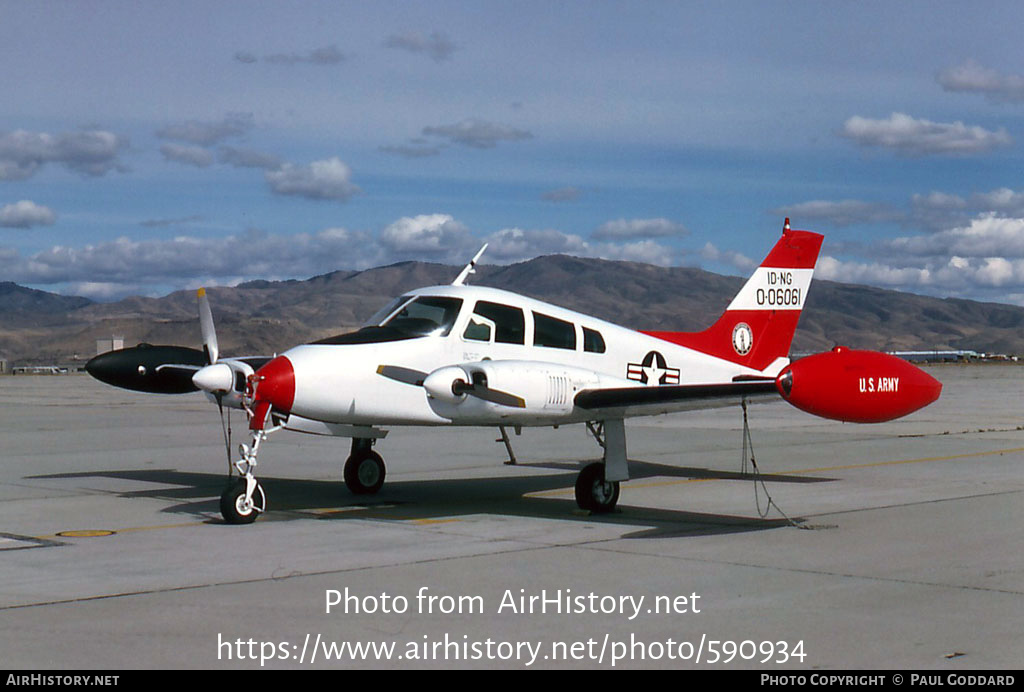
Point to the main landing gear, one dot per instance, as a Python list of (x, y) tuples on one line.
[(597, 486), (593, 492)]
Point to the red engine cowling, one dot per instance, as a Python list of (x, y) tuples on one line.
[(857, 386)]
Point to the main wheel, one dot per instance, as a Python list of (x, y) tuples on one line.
[(593, 492), (364, 473), (235, 509)]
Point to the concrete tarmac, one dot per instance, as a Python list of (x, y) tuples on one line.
[(900, 547)]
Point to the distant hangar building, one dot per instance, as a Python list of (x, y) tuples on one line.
[(114, 343)]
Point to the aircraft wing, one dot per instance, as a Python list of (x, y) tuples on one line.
[(632, 401)]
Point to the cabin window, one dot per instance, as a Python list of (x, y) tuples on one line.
[(509, 323), (426, 316), (592, 341), (553, 333)]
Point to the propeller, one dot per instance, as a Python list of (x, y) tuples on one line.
[(206, 327), (216, 378), (450, 384)]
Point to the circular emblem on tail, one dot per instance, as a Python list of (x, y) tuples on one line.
[(742, 338)]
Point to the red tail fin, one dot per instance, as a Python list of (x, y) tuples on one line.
[(757, 328)]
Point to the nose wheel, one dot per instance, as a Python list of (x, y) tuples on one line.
[(238, 506)]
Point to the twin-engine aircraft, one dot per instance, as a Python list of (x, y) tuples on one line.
[(469, 355)]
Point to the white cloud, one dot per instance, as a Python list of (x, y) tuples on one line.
[(412, 151), (89, 152), (328, 55), (646, 251), (622, 229), (427, 233), (982, 259), (248, 158), (973, 77), (178, 260), (479, 134), (874, 273), (516, 244), (189, 155), (329, 179), (730, 257), (562, 194), (919, 137), (437, 46), (26, 214), (845, 212), (988, 235), (208, 133)]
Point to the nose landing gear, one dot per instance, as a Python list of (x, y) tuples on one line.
[(244, 500)]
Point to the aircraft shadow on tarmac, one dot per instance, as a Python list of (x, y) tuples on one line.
[(399, 500)]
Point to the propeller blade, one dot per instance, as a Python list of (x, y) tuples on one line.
[(403, 375), (206, 326), (495, 396)]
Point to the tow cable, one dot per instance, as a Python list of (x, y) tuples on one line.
[(748, 446)]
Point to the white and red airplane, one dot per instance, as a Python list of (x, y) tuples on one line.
[(469, 355)]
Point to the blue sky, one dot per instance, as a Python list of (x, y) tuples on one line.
[(146, 147)]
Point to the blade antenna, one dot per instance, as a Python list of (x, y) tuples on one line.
[(469, 269)]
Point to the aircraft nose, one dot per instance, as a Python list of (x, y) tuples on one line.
[(275, 384)]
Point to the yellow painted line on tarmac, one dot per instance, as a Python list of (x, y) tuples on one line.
[(100, 533), (86, 533), (824, 469)]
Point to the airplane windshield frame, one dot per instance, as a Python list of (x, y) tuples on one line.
[(378, 317)]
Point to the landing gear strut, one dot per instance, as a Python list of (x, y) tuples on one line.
[(364, 468), (243, 500)]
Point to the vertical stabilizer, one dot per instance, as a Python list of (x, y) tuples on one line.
[(757, 328)]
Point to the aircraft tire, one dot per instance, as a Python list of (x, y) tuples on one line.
[(233, 507), (364, 473), (593, 492)]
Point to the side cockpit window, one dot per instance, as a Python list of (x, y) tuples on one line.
[(553, 332), (502, 323), (593, 342)]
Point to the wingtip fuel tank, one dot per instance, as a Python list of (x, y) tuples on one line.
[(857, 386)]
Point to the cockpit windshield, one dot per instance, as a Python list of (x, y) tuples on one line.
[(386, 311), (426, 316)]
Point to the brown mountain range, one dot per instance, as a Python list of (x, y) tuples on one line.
[(262, 317)]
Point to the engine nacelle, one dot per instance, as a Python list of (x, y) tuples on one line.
[(139, 368), (508, 391), (857, 386)]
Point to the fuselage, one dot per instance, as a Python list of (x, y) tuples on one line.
[(541, 352)]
